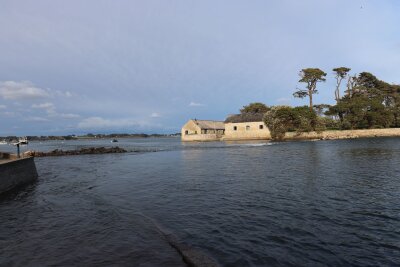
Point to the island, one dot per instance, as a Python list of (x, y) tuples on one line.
[(369, 107)]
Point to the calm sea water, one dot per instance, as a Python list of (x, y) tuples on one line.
[(326, 203)]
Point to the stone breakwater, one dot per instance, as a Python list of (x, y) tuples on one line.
[(343, 134), (82, 151)]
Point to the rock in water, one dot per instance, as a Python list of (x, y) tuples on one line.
[(82, 151)]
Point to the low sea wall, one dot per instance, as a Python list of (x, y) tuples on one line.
[(343, 134), (323, 135), (200, 137), (17, 172)]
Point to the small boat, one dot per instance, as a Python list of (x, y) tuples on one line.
[(3, 142), (23, 141), (114, 141)]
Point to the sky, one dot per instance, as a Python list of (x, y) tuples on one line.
[(93, 66)]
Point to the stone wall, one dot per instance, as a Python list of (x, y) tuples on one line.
[(246, 131), (200, 137), (252, 131), (343, 134), (7, 156), (17, 172)]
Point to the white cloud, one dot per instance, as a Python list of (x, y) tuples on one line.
[(8, 114), (155, 115), (36, 119), (101, 123), (48, 107), (194, 104), (27, 90), (21, 90), (69, 116), (93, 123), (67, 94), (3, 106), (43, 105)]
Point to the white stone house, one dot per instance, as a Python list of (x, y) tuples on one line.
[(247, 126), (202, 130)]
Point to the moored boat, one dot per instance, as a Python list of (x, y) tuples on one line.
[(23, 140)]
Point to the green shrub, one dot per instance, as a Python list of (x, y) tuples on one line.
[(282, 119)]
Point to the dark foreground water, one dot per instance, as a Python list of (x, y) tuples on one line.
[(327, 203)]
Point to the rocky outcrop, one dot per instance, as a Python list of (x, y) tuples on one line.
[(82, 151)]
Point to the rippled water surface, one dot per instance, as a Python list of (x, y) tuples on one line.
[(327, 203)]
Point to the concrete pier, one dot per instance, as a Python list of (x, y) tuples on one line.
[(15, 172)]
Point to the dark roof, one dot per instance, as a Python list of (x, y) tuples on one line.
[(245, 117), (204, 124)]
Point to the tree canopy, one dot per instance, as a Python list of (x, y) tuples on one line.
[(341, 71), (340, 74), (256, 107), (371, 103), (281, 119), (310, 76), (368, 103)]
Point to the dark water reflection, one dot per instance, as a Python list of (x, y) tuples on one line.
[(331, 203)]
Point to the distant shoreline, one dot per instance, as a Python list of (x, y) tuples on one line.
[(11, 139)]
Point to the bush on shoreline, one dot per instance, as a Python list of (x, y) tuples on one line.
[(282, 119)]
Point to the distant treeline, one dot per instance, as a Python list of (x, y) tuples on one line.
[(87, 136), (126, 135)]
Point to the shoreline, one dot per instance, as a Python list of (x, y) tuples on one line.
[(342, 134), (314, 135)]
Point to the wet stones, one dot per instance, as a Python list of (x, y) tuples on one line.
[(82, 151)]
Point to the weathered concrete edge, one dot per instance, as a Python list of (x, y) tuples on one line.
[(16, 173)]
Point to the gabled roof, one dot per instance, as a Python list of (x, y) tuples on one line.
[(203, 124), (245, 117)]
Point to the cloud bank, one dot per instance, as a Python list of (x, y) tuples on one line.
[(11, 90)]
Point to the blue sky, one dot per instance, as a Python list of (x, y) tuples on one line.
[(72, 67)]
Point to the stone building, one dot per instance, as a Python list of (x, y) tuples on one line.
[(202, 130), (247, 126)]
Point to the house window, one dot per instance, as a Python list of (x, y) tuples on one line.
[(186, 132), (261, 127), (195, 132), (247, 127), (235, 128)]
